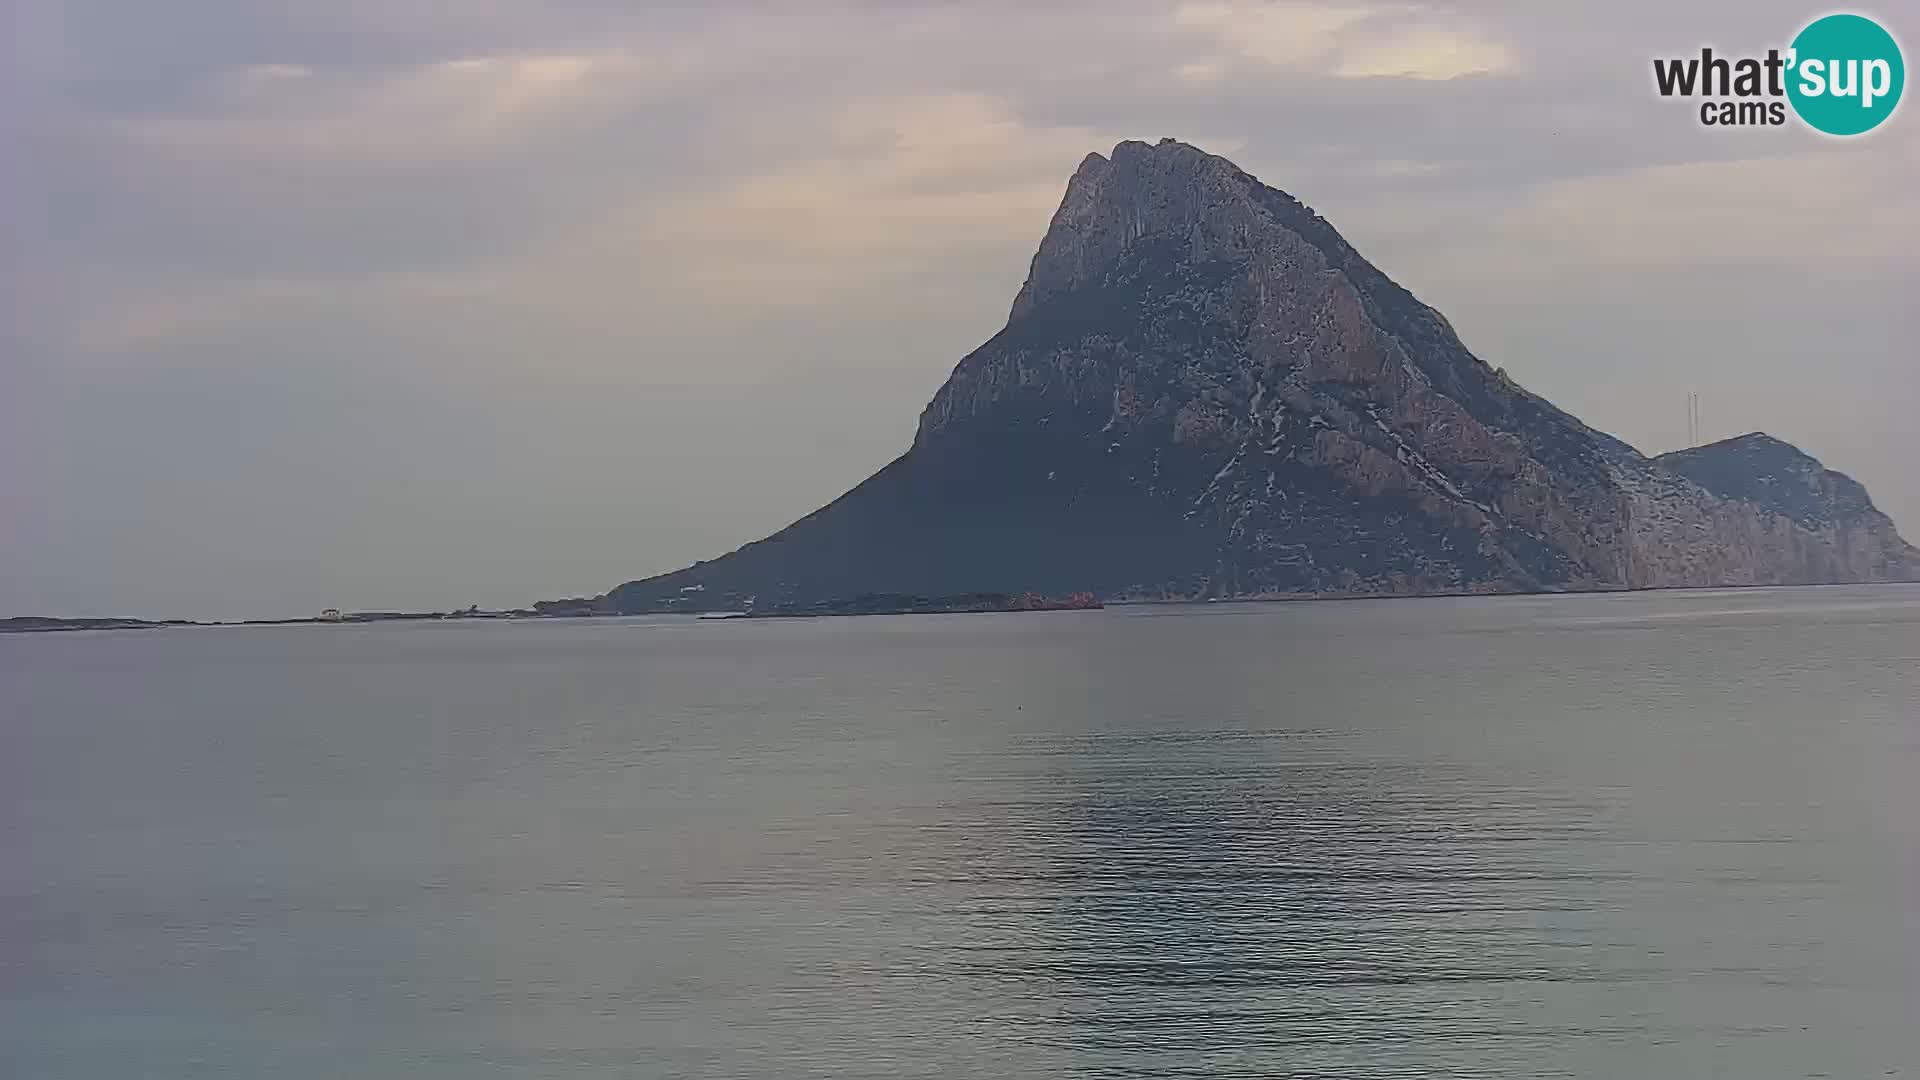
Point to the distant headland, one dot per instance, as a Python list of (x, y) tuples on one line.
[(35, 624), (866, 604)]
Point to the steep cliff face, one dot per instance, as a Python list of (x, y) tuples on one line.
[(1754, 510), (1202, 389)]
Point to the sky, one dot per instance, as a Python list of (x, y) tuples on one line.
[(409, 304)]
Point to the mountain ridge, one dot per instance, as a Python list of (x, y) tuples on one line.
[(1203, 390)]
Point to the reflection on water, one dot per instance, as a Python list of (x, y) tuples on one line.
[(1580, 836), (1229, 897)]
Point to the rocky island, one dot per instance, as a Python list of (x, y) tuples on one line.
[(1203, 391)]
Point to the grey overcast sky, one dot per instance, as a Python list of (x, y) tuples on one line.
[(413, 303)]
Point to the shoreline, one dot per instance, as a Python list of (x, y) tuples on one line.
[(54, 625)]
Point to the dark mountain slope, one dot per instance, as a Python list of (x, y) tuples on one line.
[(1774, 476)]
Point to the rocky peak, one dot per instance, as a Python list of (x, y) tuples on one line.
[(1168, 189), (1772, 474), (1756, 446)]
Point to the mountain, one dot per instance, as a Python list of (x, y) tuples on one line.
[(1203, 390)]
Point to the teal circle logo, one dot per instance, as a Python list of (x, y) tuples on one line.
[(1846, 74)]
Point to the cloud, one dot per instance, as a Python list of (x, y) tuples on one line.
[(1426, 54), (1200, 72), (269, 73), (1794, 213), (125, 328), (1285, 35), (1349, 41), (893, 185), (894, 193), (292, 114)]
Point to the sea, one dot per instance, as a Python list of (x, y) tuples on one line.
[(1658, 835)]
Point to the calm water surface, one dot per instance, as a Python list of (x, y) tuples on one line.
[(1605, 836)]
